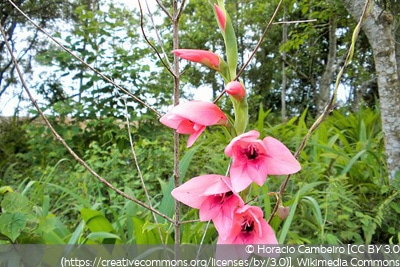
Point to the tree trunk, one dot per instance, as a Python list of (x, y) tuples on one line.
[(322, 98), (397, 37), (379, 29)]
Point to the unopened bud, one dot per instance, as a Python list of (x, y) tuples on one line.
[(235, 89), (283, 212), (220, 16)]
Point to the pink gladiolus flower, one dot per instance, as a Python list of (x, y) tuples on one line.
[(221, 17), (192, 118), (249, 227), (235, 89), (213, 196), (254, 159), (204, 57)]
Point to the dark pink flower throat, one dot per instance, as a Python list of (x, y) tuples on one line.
[(247, 225), (224, 196), (251, 152)]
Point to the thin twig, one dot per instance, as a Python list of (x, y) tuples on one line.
[(160, 4), (329, 106), (190, 221), (137, 99), (166, 65), (160, 43), (202, 239), (294, 21), (59, 138), (179, 13), (140, 171)]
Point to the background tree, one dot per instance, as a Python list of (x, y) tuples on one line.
[(24, 38), (380, 27)]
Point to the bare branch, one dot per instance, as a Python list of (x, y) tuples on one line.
[(294, 21), (160, 4), (167, 66), (175, 45), (140, 171), (179, 13)]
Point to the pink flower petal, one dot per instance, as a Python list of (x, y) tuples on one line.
[(201, 112), (185, 127), (192, 194), (171, 120), (247, 137), (254, 159), (257, 171), (242, 180), (223, 220), (258, 231), (192, 117), (280, 160), (193, 137)]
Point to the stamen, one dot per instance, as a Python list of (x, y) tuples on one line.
[(222, 197), (247, 225), (251, 152)]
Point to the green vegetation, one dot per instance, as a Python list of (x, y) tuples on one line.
[(341, 195)]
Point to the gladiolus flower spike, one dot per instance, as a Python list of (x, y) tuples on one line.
[(192, 118)]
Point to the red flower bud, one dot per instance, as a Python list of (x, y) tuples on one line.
[(221, 17), (236, 90), (204, 57)]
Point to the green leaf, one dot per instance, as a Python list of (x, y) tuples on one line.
[(168, 203), (5, 189), (352, 161), (12, 224), (317, 210), (142, 236), (15, 202), (231, 47), (289, 219), (102, 235), (95, 221)]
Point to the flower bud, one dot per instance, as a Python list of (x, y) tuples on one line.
[(236, 90), (220, 16), (283, 212), (204, 57)]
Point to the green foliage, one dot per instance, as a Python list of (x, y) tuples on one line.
[(342, 194), (346, 153)]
